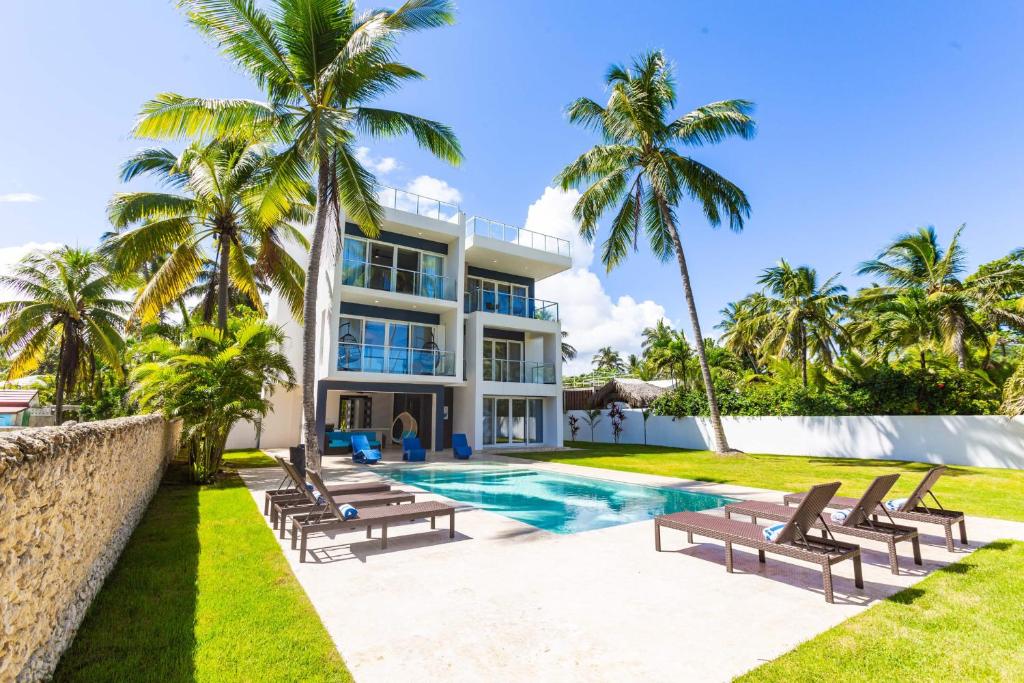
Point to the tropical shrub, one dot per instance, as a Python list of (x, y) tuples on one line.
[(211, 380)]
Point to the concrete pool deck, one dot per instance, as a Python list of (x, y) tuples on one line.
[(505, 601)]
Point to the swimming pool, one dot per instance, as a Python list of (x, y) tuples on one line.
[(562, 503)]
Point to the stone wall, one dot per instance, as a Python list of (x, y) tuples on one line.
[(69, 499)]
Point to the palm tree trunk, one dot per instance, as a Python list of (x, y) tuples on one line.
[(721, 444), (923, 366), (186, 321), (58, 398), (309, 316), (803, 353), (222, 282)]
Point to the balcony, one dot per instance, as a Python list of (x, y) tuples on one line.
[(521, 371), (508, 249), (394, 360), (513, 235), (409, 202), (510, 304), (393, 279)]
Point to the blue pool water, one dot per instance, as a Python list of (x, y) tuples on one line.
[(561, 503)]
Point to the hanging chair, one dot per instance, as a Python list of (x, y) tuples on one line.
[(353, 351), (409, 426)]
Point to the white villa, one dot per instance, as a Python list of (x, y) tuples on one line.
[(434, 318)]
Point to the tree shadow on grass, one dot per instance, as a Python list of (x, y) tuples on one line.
[(142, 623)]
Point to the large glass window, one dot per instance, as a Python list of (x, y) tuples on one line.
[(503, 360), (488, 421), (498, 297), (389, 346), (394, 269), (514, 420), (354, 263)]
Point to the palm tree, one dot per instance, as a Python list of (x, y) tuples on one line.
[(638, 172), (211, 380), (320, 64), (917, 261), (608, 359), (907, 322), (744, 327), (68, 301), (568, 350), (802, 317), (672, 355), (219, 210)]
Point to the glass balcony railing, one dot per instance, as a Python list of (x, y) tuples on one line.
[(510, 304), (510, 233), (391, 279), (522, 371), (395, 360), (409, 202)]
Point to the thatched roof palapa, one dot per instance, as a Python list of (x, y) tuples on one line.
[(634, 392)]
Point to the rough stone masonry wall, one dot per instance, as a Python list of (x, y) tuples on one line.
[(69, 499)]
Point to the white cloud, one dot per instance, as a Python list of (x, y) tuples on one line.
[(380, 166), (588, 313), (9, 256), (19, 197), (434, 188)]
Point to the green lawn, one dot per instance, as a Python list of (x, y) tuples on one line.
[(202, 593), (975, 490), (247, 457), (962, 623)]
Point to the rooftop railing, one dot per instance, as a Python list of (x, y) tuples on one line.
[(410, 202), (484, 227), (510, 304)]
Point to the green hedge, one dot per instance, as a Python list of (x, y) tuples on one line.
[(884, 391)]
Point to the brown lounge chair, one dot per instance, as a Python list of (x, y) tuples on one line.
[(795, 540), (331, 519), (293, 487), (858, 522), (284, 507), (914, 510)]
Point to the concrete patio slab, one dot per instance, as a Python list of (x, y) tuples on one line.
[(506, 601)]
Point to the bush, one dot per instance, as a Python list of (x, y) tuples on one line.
[(884, 391)]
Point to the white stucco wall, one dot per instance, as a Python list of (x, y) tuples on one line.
[(979, 440)]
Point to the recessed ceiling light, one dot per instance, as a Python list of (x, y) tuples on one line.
[(494, 261), (376, 301)]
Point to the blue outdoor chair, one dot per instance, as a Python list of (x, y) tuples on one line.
[(460, 447), (361, 451), (412, 450)]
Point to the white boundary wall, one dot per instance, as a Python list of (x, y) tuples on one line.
[(978, 440)]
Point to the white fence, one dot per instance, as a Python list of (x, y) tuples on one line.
[(979, 440)]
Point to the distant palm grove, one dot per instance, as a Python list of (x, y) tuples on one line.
[(926, 337)]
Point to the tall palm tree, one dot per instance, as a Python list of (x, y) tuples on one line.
[(907, 322), (219, 210), (320, 65), (803, 317), (917, 261), (638, 172), (608, 359), (744, 326), (67, 301)]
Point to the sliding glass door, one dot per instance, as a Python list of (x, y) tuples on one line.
[(514, 420)]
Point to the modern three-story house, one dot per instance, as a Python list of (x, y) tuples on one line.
[(433, 319)]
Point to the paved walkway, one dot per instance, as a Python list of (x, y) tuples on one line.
[(504, 601)]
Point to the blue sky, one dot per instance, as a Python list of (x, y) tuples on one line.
[(871, 123)]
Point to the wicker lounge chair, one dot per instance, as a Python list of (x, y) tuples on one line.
[(292, 487), (796, 539), (914, 509), (858, 522), (332, 519)]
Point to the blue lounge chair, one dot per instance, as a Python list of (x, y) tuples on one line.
[(460, 447), (361, 451), (412, 450)]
